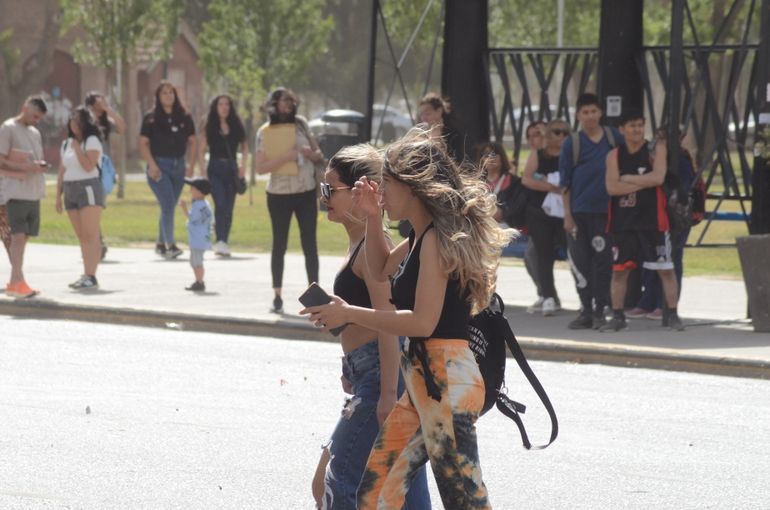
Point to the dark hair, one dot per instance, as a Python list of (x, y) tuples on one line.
[(233, 121), (102, 120), (436, 101), (588, 99), (87, 124), (630, 114), (531, 125), (271, 106), (356, 161), (38, 103), (177, 109), (497, 147)]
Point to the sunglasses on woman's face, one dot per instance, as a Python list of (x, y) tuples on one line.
[(560, 132), (490, 154), (327, 190)]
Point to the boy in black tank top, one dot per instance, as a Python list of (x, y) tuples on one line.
[(637, 221)]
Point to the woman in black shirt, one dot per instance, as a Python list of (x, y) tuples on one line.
[(223, 136), (546, 231), (168, 134)]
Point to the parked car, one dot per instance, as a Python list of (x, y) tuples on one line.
[(395, 123)]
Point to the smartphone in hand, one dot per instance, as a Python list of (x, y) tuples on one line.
[(315, 296)]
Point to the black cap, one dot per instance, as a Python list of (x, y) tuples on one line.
[(199, 183)]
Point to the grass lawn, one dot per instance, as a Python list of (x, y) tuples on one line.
[(133, 221)]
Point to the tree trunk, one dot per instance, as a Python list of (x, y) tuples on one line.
[(125, 109)]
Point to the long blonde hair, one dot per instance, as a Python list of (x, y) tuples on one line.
[(470, 240)]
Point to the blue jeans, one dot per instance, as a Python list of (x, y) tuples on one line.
[(222, 174), (167, 191), (652, 288), (355, 432)]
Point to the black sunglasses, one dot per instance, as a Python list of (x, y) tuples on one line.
[(327, 190), (558, 131)]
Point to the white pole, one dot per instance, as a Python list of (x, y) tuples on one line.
[(560, 23)]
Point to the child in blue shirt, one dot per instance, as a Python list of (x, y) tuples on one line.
[(198, 228)]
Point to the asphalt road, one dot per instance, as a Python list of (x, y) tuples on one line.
[(99, 417)]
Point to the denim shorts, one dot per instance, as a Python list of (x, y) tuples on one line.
[(356, 431)]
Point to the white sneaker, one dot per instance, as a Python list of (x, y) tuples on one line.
[(537, 306), (222, 249), (549, 307)]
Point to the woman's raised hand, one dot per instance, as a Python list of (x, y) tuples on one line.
[(366, 196)]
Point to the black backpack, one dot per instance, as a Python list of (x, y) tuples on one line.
[(489, 333), (513, 201)]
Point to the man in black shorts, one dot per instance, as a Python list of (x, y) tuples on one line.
[(638, 222)]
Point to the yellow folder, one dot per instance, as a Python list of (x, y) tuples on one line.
[(278, 139)]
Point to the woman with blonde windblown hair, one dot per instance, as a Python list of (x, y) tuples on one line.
[(452, 253)]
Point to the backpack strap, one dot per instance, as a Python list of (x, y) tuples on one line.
[(575, 148), (610, 136), (512, 409)]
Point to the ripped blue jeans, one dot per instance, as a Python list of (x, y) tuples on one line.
[(355, 432)]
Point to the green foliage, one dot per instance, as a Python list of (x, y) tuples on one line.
[(119, 29), (251, 46), (11, 54), (527, 23)]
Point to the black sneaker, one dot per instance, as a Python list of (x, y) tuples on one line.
[(583, 321), (615, 324), (598, 320), (86, 283), (76, 284), (277, 305), (173, 252), (197, 287), (160, 249), (674, 322)]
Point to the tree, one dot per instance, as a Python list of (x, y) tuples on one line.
[(111, 34), (19, 79), (248, 47)]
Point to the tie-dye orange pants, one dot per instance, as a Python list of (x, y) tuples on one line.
[(420, 429)]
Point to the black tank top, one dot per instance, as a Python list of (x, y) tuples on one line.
[(350, 287), (545, 165), (641, 210), (456, 311)]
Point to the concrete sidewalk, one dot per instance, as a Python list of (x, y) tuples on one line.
[(138, 287)]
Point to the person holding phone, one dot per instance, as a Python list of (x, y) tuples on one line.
[(442, 274), (22, 186), (82, 189), (370, 363)]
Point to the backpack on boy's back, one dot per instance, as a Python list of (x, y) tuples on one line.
[(490, 334)]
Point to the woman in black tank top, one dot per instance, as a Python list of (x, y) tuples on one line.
[(442, 274), (546, 231), (370, 371)]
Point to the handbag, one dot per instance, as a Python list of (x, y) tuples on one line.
[(513, 201), (240, 182)]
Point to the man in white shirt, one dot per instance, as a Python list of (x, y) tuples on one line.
[(22, 166)]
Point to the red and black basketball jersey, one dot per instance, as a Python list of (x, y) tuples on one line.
[(641, 210)]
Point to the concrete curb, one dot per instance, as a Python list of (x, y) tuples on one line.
[(298, 329)]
